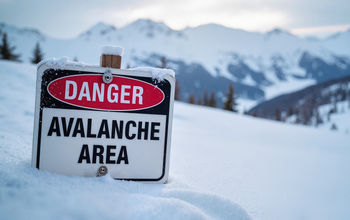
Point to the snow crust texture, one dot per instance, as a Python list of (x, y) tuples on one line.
[(112, 50)]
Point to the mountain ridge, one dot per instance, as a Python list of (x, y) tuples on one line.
[(260, 65)]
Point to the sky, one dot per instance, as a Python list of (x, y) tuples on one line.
[(68, 18)]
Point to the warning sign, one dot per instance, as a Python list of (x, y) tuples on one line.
[(83, 121)]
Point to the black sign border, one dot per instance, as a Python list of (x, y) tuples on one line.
[(49, 72)]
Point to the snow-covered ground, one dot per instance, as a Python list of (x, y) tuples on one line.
[(222, 166), (339, 120)]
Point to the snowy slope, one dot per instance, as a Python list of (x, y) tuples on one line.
[(325, 105), (27, 193), (339, 120), (261, 65), (272, 170)]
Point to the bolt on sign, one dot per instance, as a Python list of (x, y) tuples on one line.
[(89, 116)]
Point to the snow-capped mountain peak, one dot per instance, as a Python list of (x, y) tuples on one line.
[(339, 43), (99, 29), (339, 35), (146, 24), (278, 31), (149, 28), (211, 56), (26, 32)]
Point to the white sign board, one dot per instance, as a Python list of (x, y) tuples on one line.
[(83, 122)]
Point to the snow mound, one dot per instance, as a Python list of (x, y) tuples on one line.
[(111, 50), (26, 192), (157, 73), (102, 198)]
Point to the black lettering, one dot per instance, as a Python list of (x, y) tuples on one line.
[(103, 129), (97, 152), (89, 134), (54, 127), (110, 154), (154, 131), (142, 130), (79, 128), (123, 155), (117, 128), (127, 130), (84, 154), (66, 130)]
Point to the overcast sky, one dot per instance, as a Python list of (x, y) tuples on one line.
[(68, 18)]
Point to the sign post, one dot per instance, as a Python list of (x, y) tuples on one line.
[(92, 120)]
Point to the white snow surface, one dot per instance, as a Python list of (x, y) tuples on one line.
[(157, 73), (61, 63), (341, 118), (112, 50), (218, 160)]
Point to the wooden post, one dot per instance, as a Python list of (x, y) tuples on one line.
[(113, 61)]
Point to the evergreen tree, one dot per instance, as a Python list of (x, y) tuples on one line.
[(6, 51), (230, 103), (335, 106), (318, 118), (206, 98), (278, 114), (191, 99), (290, 112), (334, 127), (163, 62), (177, 90), (37, 54), (212, 100), (199, 100)]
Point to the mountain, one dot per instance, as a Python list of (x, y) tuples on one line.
[(338, 43), (23, 39), (325, 105), (208, 57), (222, 166), (98, 29)]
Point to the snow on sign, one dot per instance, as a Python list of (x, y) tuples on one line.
[(83, 122)]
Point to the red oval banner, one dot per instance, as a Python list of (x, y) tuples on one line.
[(89, 91)]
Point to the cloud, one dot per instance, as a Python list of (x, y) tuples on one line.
[(201, 12), (67, 18), (321, 31)]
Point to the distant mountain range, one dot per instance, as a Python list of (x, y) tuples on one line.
[(324, 104), (208, 57)]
